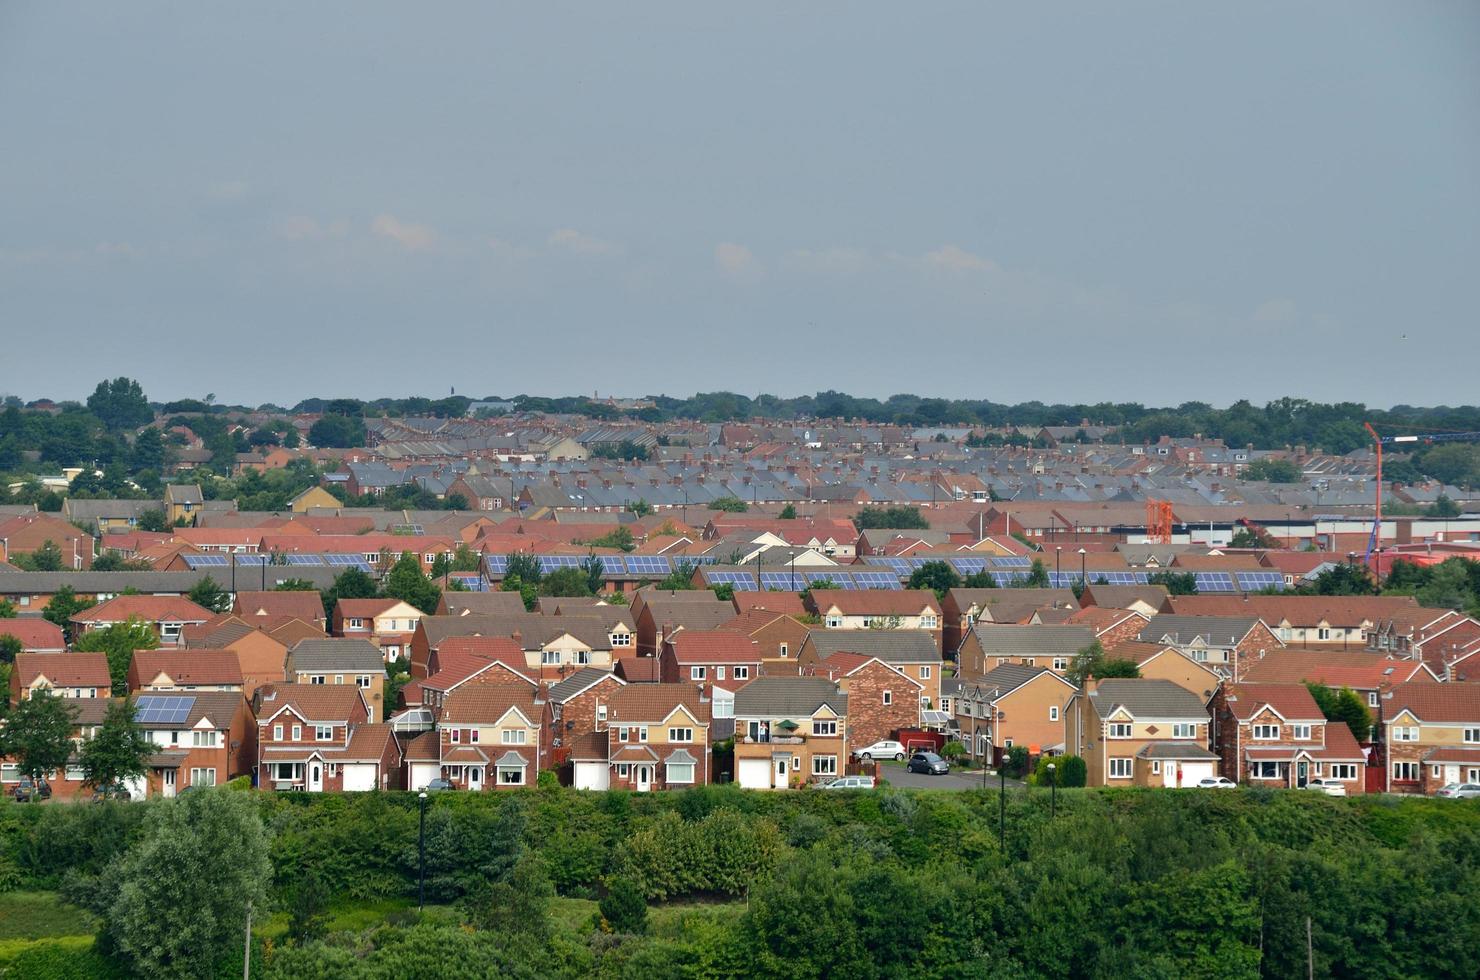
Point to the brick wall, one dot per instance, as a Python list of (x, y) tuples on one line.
[(869, 719)]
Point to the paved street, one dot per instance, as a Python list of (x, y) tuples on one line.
[(895, 774)]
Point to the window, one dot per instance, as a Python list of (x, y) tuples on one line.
[(601, 712), (624, 734), (1156, 767), (1436, 772), (743, 673), (473, 735), (621, 639), (1267, 731), (1120, 768), (10, 772), (1060, 663), (824, 729), (927, 622), (583, 657), (1302, 733), (1184, 730), (202, 777), (719, 673), (511, 775), (456, 736), (888, 697), (824, 765), (680, 734), (1405, 733), (1265, 770), (297, 732), (514, 736), (1371, 699), (1472, 734), (1053, 712), (365, 680), (277, 733), (1119, 729), (316, 679), (323, 733), (834, 622), (1405, 771), (284, 772), (203, 740), (550, 657), (1323, 633), (339, 678), (356, 624), (696, 673), (781, 649), (642, 734), (75, 774), (924, 673)]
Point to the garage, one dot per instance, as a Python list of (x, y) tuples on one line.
[(754, 773), (359, 776), (591, 775)]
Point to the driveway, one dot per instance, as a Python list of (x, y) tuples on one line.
[(895, 774)]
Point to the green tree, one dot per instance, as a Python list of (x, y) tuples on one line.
[(1037, 575), (1448, 586), (523, 565), (180, 895), (296, 585), (724, 592), (119, 751), (623, 908), (1344, 579), (407, 583), (1093, 661), (595, 572), (337, 432), (308, 906), (1453, 464), (1176, 583), (680, 579), (9, 647), (567, 581), (37, 733), (112, 561), (1442, 507), (119, 642), (788, 513), (46, 558), (640, 507), (7, 609), (935, 575), (63, 606), (154, 519), (731, 505), (209, 595), (620, 537), (120, 404), (891, 518), (979, 580), (149, 451)]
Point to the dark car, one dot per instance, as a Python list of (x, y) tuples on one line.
[(439, 785), (928, 763), (27, 790), (111, 791)]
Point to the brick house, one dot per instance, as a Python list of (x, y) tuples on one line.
[(202, 738), (168, 615), (882, 698), (780, 636), (657, 737), (87, 718), (318, 738), (36, 635), (24, 533), (388, 623), (575, 708), (873, 609), (1137, 732), (65, 675), (1340, 621), (1430, 735), (1111, 627), (912, 652), (963, 608), (790, 731), (489, 736), (305, 605), (341, 661), (657, 615), (709, 656), (1158, 662), (1446, 641), (1367, 674), (184, 670), (1013, 705), (262, 656), (1227, 644), (990, 645), (1276, 735)]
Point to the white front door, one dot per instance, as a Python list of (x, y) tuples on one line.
[(644, 778), (780, 774), (169, 782), (474, 777), (315, 777)]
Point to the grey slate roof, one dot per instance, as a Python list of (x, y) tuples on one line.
[(577, 682), (1003, 640), (1145, 698), (788, 697), (1004, 679), (177, 583), (1221, 631), (1175, 750), (335, 654), (890, 646)]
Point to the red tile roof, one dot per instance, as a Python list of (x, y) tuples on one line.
[(484, 704), (312, 702), (187, 667), (307, 606), (1292, 701), (651, 703), (1335, 668), (638, 670), (786, 603), (35, 634), (363, 608), (149, 608), (1299, 611), (1454, 703), (63, 669), (876, 602), (714, 647)]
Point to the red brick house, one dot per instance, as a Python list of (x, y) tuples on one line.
[(882, 698), (307, 606), (35, 634), (1275, 735), (1430, 735), (872, 609), (317, 738), (575, 708), (203, 738), (169, 615), (24, 533), (656, 736), (184, 670), (489, 736), (709, 656), (66, 675)]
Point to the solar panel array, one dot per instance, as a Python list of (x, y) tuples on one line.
[(154, 709), (739, 581), (635, 566), (1254, 581), (786, 580), (224, 561)]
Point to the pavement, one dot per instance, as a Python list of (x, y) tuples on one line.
[(895, 774)]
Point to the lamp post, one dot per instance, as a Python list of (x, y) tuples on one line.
[(1053, 791), (421, 852), (1002, 806), (1082, 553), (1058, 554)]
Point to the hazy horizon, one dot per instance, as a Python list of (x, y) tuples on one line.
[(1147, 203)]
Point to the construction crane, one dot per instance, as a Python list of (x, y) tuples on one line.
[(1427, 438), (1158, 521)]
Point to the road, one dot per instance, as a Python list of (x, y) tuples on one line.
[(895, 774)]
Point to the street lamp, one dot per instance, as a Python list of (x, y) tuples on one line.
[(421, 849), (1058, 553), (1053, 791), (1082, 553), (1002, 806)]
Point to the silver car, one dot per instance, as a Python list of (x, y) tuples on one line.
[(851, 782), (1460, 791), (1215, 782), (1331, 787)]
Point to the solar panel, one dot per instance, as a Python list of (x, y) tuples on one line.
[(876, 580), (551, 562), (739, 581), (1254, 581), (700, 559), (252, 560), (497, 564), (901, 566), (160, 710), (648, 565), (1013, 561), (1215, 582), (344, 559), (840, 580), (305, 559), (782, 581), (612, 565), (473, 583), (969, 566), (205, 561), (411, 529)]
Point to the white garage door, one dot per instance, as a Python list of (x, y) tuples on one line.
[(423, 773), (358, 776), (755, 773), (591, 775), (1194, 771)]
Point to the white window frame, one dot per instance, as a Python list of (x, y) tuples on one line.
[(680, 734), (924, 673), (1183, 729), (1060, 663), (834, 622), (888, 697), (323, 733), (297, 733), (1121, 768), (824, 765), (1265, 732), (1344, 771), (1118, 729), (203, 777), (1406, 771), (824, 728), (506, 770), (679, 773), (743, 673), (1301, 733), (203, 738), (1472, 735), (1265, 769), (697, 673), (1053, 712), (514, 736), (277, 733)]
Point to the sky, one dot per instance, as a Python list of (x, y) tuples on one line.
[(1151, 202)]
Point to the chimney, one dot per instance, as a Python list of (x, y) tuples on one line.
[(1091, 685)]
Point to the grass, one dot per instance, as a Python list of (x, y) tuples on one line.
[(41, 915), (351, 916)]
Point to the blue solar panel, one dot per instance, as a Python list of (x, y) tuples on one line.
[(1013, 561), (876, 580), (344, 559), (205, 561), (901, 566), (739, 581), (840, 580), (782, 581), (1215, 582), (551, 562), (969, 566), (648, 565), (252, 560), (161, 710), (1254, 581), (700, 559), (473, 583), (305, 559), (497, 564)]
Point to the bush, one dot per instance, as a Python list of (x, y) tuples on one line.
[(623, 909), (1072, 772), (1016, 763)]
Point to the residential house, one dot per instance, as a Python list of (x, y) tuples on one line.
[(1167, 663), (87, 718), (479, 604), (790, 731), (167, 614), (1444, 639), (1014, 704), (989, 645), (1144, 599), (184, 670), (201, 738), (1138, 732), (182, 504), (1227, 644), (779, 636), (963, 608), (64, 675), (912, 652), (1341, 621), (655, 736), (318, 738), (575, 708), (489, 736), (882, 698), (1276, 735), (306, 605), (388, 623), (36, 635), (657, 615), (263, 656), (1430, 735), (341, 661), (878, 609), (22, 534), (1367, 674)]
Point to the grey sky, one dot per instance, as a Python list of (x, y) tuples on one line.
[(1148, 202)]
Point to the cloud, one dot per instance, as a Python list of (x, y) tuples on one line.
[(412, 237), (736, 261), (953, 258), (582, 243)]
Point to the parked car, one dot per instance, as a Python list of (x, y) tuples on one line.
[(1330, 787), (111, 791), (438, 785), (887, 749), (1460, 791), (928, 763), (851, 782), (1215, 782), (27, 791)]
